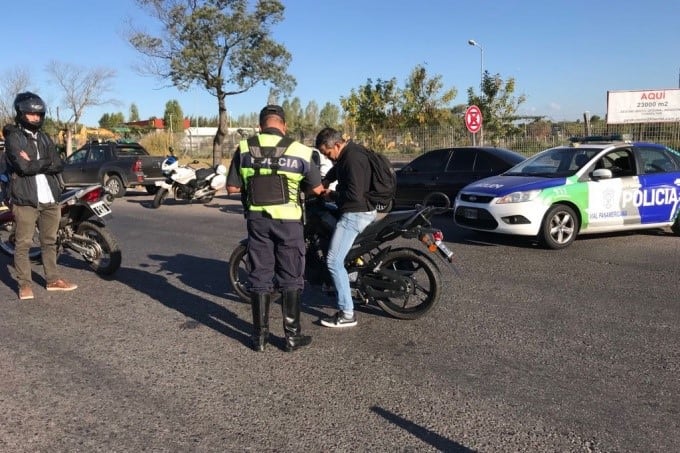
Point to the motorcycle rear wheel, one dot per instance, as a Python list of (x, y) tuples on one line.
[(423, 288), (108, 261), (7, 229), (160, 197), (207, 199), (238, 272)]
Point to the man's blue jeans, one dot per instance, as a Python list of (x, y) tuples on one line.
[(347, 229)]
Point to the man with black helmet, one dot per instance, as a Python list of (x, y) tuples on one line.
[(268, 170), (34, 191)]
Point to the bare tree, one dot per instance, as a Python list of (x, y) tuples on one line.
[(81, 88), (12, 82), (217, 44)]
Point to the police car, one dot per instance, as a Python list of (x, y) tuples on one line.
[(594, 185)]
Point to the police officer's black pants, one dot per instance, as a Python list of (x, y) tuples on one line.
[(276, 249)]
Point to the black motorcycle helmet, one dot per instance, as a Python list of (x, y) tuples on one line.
[(28, 102)]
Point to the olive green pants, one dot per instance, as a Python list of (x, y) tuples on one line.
[(46, 217)]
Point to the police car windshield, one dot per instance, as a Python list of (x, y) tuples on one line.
[(554, 162)]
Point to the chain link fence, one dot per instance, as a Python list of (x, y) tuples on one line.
[(405, 144), (402, 145)]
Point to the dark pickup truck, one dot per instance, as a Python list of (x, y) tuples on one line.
[(116, 165)]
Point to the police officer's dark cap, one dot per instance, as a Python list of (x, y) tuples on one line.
[(272, 110)]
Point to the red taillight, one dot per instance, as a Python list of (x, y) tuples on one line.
[(93, 195), (438, 235), (137, 168)]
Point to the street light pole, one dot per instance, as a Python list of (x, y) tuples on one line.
[(474, 43)]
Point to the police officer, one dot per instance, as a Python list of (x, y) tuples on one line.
[(268, 170)]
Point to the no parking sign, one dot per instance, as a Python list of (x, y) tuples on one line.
[(473, 119)]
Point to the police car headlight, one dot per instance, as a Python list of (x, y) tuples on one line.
[(519, 197)]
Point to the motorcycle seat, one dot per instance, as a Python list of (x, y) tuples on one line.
[(204, 173), (391, 218)]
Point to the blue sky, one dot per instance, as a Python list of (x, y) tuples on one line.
[(564, 55)]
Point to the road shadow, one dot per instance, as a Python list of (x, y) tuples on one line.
[(7, 277), (435, 440), (208, 276), (196, 273)]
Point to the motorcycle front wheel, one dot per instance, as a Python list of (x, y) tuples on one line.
[(238, 272), (160, 197), (105, 255), (7, 229), (421, 279)]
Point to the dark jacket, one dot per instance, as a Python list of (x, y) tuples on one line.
[(353, 173), (23, 188)]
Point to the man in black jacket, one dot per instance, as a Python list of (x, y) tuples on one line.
[(352, 171), (34, 191)]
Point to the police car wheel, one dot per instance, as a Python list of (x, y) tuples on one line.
[(559, 228)]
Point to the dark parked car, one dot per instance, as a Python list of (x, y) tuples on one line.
[(116, 165), (449, 170)]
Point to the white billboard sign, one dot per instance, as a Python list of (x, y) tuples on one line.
[(643, 106)]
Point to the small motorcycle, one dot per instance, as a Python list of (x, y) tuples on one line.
[(188, 183), (403, 280), (81, 229)]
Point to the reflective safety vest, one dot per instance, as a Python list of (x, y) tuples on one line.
[(293, 163)]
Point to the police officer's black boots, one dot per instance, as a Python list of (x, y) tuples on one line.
[(290, 305), (260, 305)]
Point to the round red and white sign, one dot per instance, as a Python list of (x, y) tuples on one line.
[(473, 119)]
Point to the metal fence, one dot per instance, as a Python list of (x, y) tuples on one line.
[(405, 144)]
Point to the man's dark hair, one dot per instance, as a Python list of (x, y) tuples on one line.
[(329, 137), (270, 110)]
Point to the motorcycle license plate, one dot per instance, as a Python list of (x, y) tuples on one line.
[(101, 208)]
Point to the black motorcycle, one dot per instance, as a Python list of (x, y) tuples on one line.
[(403, 280), (81, 229)]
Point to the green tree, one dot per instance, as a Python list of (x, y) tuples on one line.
[(294, 118), (173, 118), (111, 120), (311, 118), (498, 105), (134, 113), (422, 103), (329, 116), (220, 45), (372, 107)]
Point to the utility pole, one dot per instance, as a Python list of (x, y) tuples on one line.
[(474, 43)]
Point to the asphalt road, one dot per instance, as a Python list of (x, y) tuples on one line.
[(530, 350)]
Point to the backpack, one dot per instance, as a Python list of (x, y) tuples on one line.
[(383, 181)]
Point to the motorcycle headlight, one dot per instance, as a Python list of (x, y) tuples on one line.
[(519, 197)]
